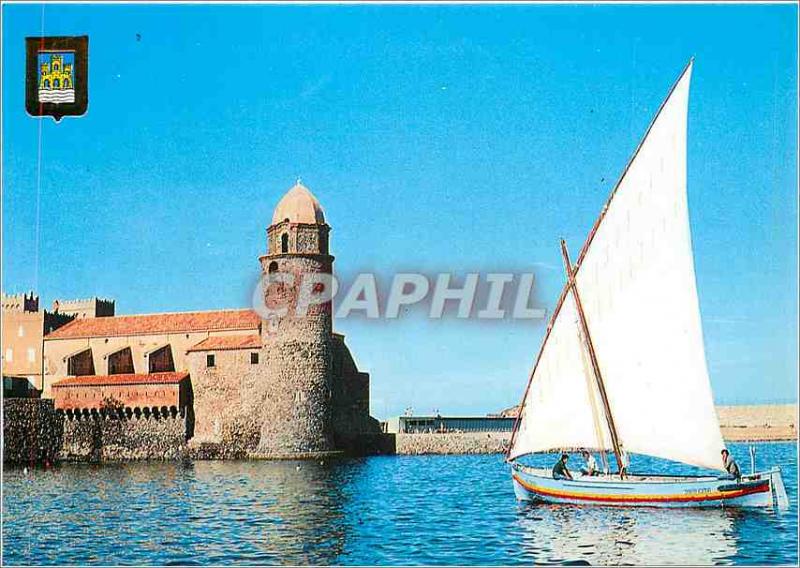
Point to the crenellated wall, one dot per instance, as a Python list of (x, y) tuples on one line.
[(125, 437)]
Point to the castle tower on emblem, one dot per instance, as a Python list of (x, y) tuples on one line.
[(56, 77)]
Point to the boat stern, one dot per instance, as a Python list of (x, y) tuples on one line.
[(777, 488)]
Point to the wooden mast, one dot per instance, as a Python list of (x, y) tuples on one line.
[(593, 358)]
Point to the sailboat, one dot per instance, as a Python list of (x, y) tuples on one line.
[(622, 364)]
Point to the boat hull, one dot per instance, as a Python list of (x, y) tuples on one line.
[(757, 490)]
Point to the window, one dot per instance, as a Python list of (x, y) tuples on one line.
[(81, 364), (21, 331), (160, 361), (9, 355), (210, 360), (254, 358), (120, 362), (31, 355), (284, 242)]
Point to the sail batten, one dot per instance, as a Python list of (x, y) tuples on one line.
[(635, 277)]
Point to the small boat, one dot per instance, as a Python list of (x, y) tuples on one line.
[(622, 364)]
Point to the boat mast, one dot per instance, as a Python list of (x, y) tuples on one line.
[(593, 358)]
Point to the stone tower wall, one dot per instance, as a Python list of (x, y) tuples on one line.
[(296, 410), (298, 363), (316, 323)]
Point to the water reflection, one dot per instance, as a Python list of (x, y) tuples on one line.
[(381, 510), (289, 512), (201, 513), (614, 536)]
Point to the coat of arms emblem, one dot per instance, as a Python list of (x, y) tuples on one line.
[(57, 76)]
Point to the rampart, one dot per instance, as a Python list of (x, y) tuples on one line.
[(32, 431), (452, 443), (117, 437)]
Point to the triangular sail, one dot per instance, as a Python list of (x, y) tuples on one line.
[(560, 409), (636, 280)]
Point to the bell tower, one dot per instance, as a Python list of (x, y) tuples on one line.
[(297, 248), (297, 409)]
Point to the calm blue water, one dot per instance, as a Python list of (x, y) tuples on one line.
[(381, 510)]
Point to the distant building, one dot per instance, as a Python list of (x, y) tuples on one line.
[(20, 302), (88, 308), (443, 424), (24, 326)]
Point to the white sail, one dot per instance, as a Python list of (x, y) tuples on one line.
[(562, 408), (636, 280)]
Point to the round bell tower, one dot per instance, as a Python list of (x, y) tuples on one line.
[(298, 343)]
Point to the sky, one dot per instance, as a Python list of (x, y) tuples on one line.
[(438, 138)]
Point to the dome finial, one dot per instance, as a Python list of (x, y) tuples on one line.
[(299, 181)]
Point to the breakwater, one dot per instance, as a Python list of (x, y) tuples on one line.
[(452, 443)]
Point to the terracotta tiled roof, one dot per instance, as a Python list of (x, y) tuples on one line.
[(131, 379), (224, 342), (158, 323)]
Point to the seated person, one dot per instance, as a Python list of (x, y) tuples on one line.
[(731, 467), (560, 470), (589, 464)]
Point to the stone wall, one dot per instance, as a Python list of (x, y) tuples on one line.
[(32, 431), (452, 443), (113, 438), (295, 390), (300, 397), (296, 410), (351, 420), (302, 238), (227, 401)]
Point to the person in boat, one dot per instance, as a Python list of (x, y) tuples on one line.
[(626, 461), (589, 464), (560, 470), (731, 467)]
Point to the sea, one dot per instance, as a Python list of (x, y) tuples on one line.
[(383, 510)]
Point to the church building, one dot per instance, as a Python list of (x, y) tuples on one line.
[(242, 385)]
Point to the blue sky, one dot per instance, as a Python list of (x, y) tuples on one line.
[(437, 138)]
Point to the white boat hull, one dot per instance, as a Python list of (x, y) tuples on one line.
[(757, 490)]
